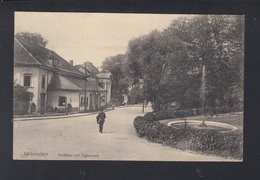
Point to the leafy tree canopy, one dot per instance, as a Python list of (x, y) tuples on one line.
[(35, 38), (115, 65), (169, 63)]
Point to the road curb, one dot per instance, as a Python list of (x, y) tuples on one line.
[(57, 116), (67, 116)]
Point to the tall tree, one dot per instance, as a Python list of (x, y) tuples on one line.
[(136, 94), (215, 41), (35, 38), (159, 61), (169, 64), (115, 65), (144, 63)]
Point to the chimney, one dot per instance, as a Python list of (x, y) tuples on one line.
[(71, 62)]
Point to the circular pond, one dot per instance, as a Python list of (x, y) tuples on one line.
[(210, 125)]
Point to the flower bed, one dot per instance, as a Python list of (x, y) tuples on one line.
[(205, 141)]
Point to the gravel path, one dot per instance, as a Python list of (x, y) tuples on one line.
[(77, 138)]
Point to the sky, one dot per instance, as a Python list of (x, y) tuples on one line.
[(90, 36)]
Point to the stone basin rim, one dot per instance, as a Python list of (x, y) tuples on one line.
[(218, 124)]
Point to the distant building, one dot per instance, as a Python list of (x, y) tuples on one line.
[(55, 82), (99, 80), (90, 68), (105, 82)]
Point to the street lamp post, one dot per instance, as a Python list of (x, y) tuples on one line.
[(85, 91), (143, 102), (96, 93), (143, 90)]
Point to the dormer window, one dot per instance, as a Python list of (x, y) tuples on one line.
[(50, 61)]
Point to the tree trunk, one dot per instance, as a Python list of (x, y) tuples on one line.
[(156, 104)]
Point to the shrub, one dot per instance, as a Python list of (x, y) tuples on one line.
[(137, 121), (139, 126), (184, 113), (177, 113), (21, 108), (213, 110), (168, 114), (223, 144), (154, 131), (149, 117), (21, 100), (207, 141), (160, 115), (33, 108)]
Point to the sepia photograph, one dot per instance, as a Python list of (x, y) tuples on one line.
[(128, 87)]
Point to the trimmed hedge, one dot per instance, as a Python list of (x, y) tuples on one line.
[(206, 141), (160, 115), (149, 117)]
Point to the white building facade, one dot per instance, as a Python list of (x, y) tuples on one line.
[(54, 82)]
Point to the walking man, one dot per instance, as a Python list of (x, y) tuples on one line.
[(100, 120)]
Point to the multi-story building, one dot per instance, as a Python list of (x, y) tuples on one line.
[(53, 81), (105, 82)]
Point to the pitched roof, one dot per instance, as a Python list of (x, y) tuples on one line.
[(82, 69), (41, 55), (61, 82), (22, 56), (91, 85), (90, 68)]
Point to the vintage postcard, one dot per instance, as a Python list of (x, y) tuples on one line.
[(128, 87)]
